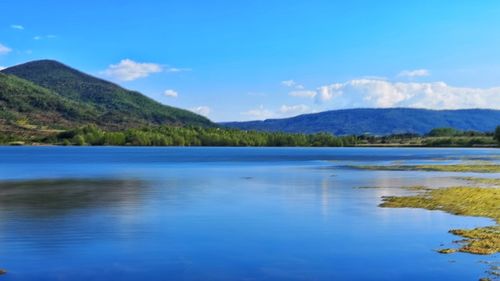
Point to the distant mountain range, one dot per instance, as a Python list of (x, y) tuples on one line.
[(50, 94), (383, 121)]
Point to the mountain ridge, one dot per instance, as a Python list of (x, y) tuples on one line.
[(378, 121), (111, 105)]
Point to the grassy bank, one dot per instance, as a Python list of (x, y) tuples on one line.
[(463, 168), (466, 201), (484, 181)]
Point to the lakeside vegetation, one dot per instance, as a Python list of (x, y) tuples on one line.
[(220, 136), (480, 199), (438, 137), (463, 168), (466, 201), (193, 136), (484, 181)]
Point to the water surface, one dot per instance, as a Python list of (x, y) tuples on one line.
[(109, 213)]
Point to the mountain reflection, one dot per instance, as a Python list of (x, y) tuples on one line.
[(46, 198)]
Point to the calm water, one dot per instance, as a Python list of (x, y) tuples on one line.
[(105, 213)]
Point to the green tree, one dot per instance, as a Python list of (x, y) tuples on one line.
[(497, 134), (444, 132)]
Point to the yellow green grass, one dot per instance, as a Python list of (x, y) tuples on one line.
[(474, 168), (485, 181), (467, 201)]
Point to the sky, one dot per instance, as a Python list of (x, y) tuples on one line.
[(237, 60)]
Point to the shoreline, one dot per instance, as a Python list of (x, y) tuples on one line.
[(346, 146)]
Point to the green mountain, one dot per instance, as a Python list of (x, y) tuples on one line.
[(24, 105), (378, 121), (50, 93)]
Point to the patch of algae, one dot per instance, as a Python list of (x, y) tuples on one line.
[(466, 201)]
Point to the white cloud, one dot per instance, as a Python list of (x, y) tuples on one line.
[(292, 84), (128, 70), (17, 26), (40, 37), (374, 77), (326, 93), (175, 69), (4, 49), (379, 93), (202, 110), (289, 110), (260, 113), (288, 83), (2, 67), (414, 73), (171, 93), (303, 94)]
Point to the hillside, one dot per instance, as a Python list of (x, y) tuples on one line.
[(25, 105), (82, 99), (378, 121)]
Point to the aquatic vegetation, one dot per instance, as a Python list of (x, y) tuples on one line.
[(409, 188), (483, 241), (486, 181), (467, 201), (447, 251), (475, 168)]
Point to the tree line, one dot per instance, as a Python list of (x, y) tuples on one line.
[(195, 136), (217, 136)]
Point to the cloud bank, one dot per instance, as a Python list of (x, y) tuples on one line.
[(437, 95), (382, 93)]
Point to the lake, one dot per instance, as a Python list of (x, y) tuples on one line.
[(130, 213)]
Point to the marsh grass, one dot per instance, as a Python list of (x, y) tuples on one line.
[(485, 181), (467, 201), (474, 168), (409, 188)]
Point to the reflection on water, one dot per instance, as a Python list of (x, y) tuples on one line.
[(222, 214), (40, 198)]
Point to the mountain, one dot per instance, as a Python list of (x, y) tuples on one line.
[(383, 121), (50, 93), (24, 105)]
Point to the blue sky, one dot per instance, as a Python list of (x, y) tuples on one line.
[(244, 60)]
